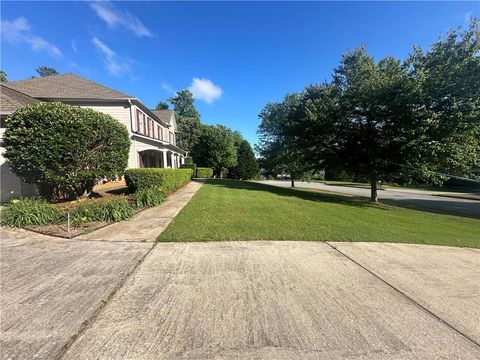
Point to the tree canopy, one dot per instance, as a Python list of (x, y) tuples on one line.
[(247, 166), (188, 119), (216, 149), (46, 71), (183, 104), (3, 76), (385, 120), (162, 105)]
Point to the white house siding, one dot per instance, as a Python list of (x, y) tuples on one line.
[(118, 112)]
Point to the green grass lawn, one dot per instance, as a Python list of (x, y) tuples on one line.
[(236, 210)]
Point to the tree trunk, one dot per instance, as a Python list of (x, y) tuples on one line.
[(373, 190), (293, 182)]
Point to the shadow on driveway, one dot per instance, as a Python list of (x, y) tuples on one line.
[(446, 207)]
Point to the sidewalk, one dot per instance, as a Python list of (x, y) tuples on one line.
[(148, 224)]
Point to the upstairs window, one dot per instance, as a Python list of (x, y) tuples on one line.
[(150, 127), (140, 122), (159, 133)]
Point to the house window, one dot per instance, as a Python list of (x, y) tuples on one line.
[(150, 127), (159, 133), (140, 122)]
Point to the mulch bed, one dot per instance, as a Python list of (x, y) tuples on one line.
[(61, 230)]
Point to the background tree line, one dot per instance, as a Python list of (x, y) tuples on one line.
[(214, 146), (391, 120)]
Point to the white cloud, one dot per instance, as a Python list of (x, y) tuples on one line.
[(114, 64), (18, 31), (73, 44), (167, 88), (114, 17), (205, 89)]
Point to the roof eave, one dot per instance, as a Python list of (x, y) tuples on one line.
[(149, 112)]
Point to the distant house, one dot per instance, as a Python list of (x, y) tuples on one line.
[(152, 132)]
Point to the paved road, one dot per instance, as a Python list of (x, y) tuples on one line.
[(420, 200), (236, 300)]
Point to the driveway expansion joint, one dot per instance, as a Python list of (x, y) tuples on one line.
[(404, 295), (88, 322)]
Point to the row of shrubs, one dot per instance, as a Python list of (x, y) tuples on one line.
[(168, 180), (149, 188), (199, 172), (204, 172)]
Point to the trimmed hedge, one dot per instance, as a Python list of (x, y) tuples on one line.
[(203, 172), (190, 166), (29, 211), (168, 180)]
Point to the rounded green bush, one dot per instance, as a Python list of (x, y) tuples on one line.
[(29, 211), (65, 149)]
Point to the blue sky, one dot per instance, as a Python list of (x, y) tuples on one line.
[(236, 56)]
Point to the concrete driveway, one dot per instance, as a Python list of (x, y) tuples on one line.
[(51, 288), (416, 199), (73, 299)]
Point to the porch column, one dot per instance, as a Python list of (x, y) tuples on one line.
[(172, 158), (182, 160), (164, 153)]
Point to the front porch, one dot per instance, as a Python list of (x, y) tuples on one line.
[(160, 159)]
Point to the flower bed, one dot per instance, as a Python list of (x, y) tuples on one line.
[(70, 219)]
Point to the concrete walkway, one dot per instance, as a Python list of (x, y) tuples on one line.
[(148, 224), (415, 199)]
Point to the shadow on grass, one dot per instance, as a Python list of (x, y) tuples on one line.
[(303, 194), (446, 207)]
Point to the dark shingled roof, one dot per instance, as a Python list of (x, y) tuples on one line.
[(65, 86), (11, 100), (164, 115)]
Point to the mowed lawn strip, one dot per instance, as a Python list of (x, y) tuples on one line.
[(240, 210)]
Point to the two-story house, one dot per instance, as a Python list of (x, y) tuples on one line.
[(152, 132)]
